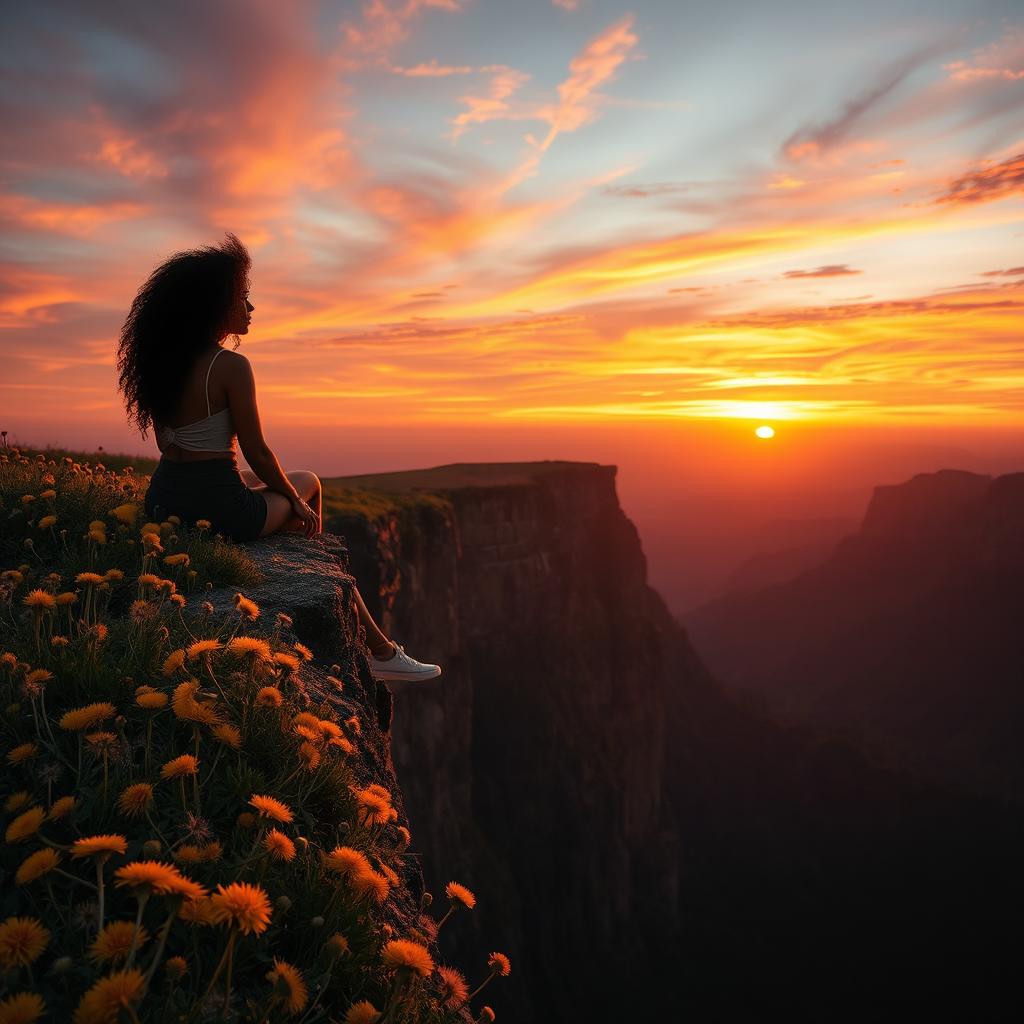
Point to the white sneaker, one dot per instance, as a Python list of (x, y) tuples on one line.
[(400, 667)]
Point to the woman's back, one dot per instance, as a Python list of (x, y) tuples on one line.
[(202, 427)]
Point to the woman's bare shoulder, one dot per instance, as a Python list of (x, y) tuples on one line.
[(235, 364)]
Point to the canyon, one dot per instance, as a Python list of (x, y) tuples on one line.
[(644, 841)]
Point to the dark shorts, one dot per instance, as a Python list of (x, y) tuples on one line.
[(211, 489)]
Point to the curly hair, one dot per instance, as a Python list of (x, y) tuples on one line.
[(181, 310)]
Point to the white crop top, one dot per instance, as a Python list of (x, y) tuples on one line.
[(213, 434)]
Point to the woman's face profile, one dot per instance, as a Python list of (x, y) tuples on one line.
[(241, 315)]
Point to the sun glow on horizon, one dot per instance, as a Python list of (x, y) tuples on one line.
[(765, 431)]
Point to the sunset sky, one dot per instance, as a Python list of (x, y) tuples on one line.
[(561, 214)]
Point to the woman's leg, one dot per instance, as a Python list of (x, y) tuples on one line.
[(280, 517), (378, 643)]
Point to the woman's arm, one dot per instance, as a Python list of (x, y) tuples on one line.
[(241, 389)]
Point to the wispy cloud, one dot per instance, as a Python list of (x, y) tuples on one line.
[(992, 180), (829, 270)]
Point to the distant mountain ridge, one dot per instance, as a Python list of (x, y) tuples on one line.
[(907, 639)]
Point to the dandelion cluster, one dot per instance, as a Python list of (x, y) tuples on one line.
[(188, 826)]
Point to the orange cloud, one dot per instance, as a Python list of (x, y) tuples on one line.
[(74, 219), (831, 270), (1003, 60), (993, 180)]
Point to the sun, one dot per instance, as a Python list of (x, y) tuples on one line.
[(765, 431)]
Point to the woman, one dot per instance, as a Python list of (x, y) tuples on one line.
[(173, 370)]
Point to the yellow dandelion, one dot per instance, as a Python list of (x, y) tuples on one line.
[(243, 906), (338, 944), (92, 846), (306, 719), (346, 860), (459, 893), (375, 809), (46, 522), (176, 967), (39, 600), (178, 559), (148, 579), (126, 514), (247, 608), (228, 735), (99, 536), (38, 676), (201, 647), (22, 940), (152, 700), (186, 764), (102, 742), (270, 807), (278, 845), (135, 800), (67, 597), (391, 876), (62, 807), (500, 963), (313, 735), (250, 645), (303, 651), (35, 865), (115, 942), (178, 601), (157, 877), (197, 911), (369, 883), (486, 1014), (354, 724), (404, 835), (329, 730), (173, 662), (343, 743), (454, 989), (188, 708), (86, 717), (288, 980), (269, 697), (203, 524), (113, 574), (59, 641), (401, 953), (363, 1012), (89, 578), (22, 1008), (25, 825), (16, 801), (309, 756), (22, 752), (289, 661), (103, 1003)]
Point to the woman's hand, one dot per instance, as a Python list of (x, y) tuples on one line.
[(310, 520)]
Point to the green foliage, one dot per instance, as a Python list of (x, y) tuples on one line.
[(139, 728)]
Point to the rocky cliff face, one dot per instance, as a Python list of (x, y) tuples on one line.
[(642, 845), (538, 755)]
